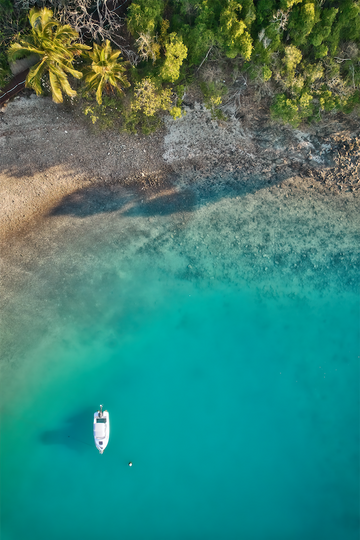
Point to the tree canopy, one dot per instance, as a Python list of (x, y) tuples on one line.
[(104, 70), (305, 52), (56, 46)]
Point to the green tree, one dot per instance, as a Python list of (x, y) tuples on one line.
[(292, 58), (13, 23), (323, 28), (288, 4), (235, 23), (346, 26), (175, 53), (144, 16), (104, 71), (302, 21), (56, 45), (203, 33), (292, 111)]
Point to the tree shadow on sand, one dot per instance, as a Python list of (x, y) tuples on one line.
[(132, 202), (96, 200)]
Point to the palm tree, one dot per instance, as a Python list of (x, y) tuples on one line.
[(104, 71), (56, 46)]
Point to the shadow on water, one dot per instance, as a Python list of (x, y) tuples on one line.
[(133, 202), (75, 432)]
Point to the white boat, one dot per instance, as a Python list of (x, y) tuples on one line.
[(101, 429)]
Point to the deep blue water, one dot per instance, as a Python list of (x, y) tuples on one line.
[(230, 370)]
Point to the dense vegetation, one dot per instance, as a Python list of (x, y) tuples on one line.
[(305, 54)]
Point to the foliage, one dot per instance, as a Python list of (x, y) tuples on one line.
[(175, 53), (150, 98), (92, 113), (104, 71), (235, 22), (292, 58), (13, 23), (105, 116), (213, 94), (292, 111), (306, 51), (301, 23), (317, 55), (176, 112), (144, 16), (5, 72), (56, 46), (94, 21)]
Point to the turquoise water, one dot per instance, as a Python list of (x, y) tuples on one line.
[(223, 340)]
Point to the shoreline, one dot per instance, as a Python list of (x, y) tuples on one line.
[(268, 216), (49, 156)]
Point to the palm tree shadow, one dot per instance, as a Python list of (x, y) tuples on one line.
[(75, 432), (164, 204), (133, 202), (91, 201), (99, 199)]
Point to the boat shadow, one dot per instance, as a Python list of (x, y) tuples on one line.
[(75, 433)]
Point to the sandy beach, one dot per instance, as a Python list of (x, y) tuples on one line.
[(47, 154)]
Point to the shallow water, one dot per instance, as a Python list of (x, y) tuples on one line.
[(224, 341)]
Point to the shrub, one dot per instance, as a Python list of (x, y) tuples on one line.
[(149, 98)]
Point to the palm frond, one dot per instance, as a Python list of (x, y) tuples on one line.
[(16, 51), (113, 57), (33, 80), (92, 78), (99, 90), (65, 34), (55, 87), (98, 69), (78, 48), (111, 80), (74, 72), (107, 48), (40, 17), (63, 80)]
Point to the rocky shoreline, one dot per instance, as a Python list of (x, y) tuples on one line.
[(328, 153), (47, 155)]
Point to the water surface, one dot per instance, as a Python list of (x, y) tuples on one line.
[(223, 339)]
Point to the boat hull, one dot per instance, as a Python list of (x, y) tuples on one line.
[(101, 430)]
